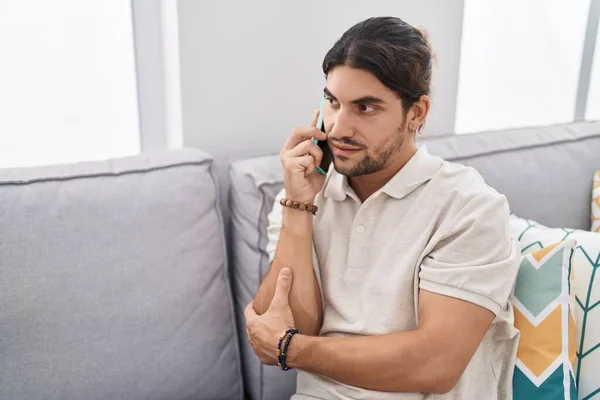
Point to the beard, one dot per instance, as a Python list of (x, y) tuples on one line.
[(372, 163)]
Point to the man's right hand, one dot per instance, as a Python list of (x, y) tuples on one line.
[(294, 229), (299, 158)]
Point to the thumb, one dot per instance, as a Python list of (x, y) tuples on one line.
[(282, 290)]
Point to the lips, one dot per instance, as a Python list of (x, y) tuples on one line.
[(344, 150)]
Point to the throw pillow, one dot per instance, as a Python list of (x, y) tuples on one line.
[(543, 310), (586, 284), (596, 203)]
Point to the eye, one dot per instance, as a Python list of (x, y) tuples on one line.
[(331, 100), (366, 108)]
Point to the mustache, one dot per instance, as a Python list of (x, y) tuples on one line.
[(348, 142)]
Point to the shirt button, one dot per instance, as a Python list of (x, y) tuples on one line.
[(360, 229)]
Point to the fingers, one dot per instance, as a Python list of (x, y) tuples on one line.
[(282, 290), (315, 118), (300, 164), (304, 148), (303, 133), (249, 312)]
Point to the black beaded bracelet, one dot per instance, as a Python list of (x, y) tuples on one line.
[(283, 352), (279, 342)]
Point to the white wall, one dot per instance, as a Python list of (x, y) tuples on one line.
[(251, 70), (67, 82)]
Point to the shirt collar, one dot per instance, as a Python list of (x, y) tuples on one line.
[(417, 171)]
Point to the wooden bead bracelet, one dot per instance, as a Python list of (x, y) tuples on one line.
[(299, 206)]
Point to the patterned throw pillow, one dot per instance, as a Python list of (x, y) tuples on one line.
[(543, 309), (596, 203), (586, 284)]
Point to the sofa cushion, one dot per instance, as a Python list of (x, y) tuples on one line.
[(254, 184), (586, 287), (544, 172), (596, 203), (113, 282)]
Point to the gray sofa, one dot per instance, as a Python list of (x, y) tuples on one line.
[(115, 280)]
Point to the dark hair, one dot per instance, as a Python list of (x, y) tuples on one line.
[(394, 51)]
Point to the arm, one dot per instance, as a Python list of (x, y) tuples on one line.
[(293, 238), (292, 231), (464, 282), (428, 359)]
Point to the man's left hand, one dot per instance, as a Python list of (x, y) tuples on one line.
[(264, 330)]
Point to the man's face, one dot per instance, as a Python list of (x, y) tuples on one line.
[(364, 121)]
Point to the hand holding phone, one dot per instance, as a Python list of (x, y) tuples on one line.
[(300, 157), (327, 159)]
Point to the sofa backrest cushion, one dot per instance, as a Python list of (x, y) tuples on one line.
[(114, 283)]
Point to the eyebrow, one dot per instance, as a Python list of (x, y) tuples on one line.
[(362, 100)]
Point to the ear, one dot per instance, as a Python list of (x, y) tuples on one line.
[(418, 112)]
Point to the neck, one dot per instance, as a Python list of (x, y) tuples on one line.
[(365, 185)]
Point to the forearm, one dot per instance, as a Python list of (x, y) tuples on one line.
[(294, 251), (397, 362)]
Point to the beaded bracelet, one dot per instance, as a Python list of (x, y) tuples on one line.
[(281, 353), (283, 335), (299, 206)]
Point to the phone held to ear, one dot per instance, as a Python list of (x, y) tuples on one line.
[(327, 159)]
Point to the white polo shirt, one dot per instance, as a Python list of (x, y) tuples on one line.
[(435, 225)]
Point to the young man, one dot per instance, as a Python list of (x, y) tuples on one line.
[(399, 284)]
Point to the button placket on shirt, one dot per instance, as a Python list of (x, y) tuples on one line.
[(358, 241)]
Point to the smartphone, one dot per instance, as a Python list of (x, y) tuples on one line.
[(327, 157)]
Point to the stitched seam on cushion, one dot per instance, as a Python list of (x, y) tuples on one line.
[(259, 277), (535, 146), (232, 173), (259, 236), (262, 367), (104, 174), (225, 276), (515, 129)]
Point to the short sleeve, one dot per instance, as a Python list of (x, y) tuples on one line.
[(477, 259), (275, 221)]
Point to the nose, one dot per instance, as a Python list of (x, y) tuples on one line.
[(340, 125)]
